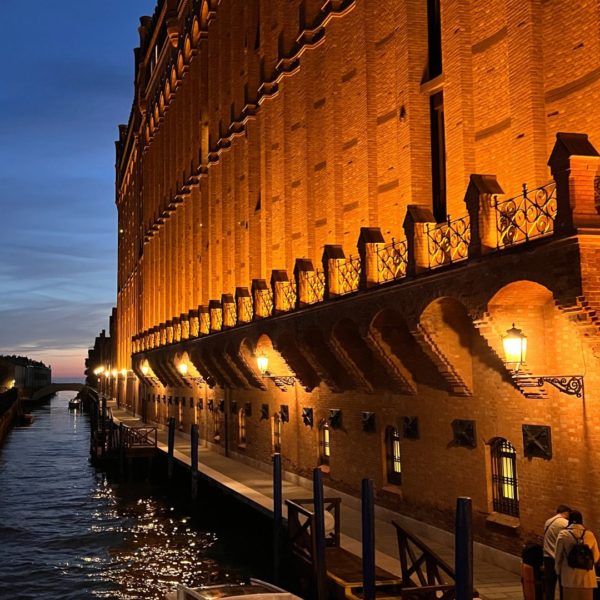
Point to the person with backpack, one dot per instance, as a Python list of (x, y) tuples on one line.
[(553, 526), (576, 556)]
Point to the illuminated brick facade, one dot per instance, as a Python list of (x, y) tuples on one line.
[(283, 186)]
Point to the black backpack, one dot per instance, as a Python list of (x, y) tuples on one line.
[(580, 555)]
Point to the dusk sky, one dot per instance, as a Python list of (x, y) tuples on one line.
[(68, 83)]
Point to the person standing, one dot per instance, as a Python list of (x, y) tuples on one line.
[(553, 526), (577, 582)]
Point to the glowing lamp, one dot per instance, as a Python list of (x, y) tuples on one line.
[(515, 347), (183, 368), (145, 370), (107, 374), (114, 372), (123, 372), (263, 363)]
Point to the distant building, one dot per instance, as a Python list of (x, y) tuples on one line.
[(324, 240), (24, 374)]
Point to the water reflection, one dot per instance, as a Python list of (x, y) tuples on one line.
[(66, 532)]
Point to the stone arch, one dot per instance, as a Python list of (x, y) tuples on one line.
[(173, 77), (187, 49), (167, 89), (553, 343), (204, 10), (180, 64), (52, 388), (195, 31), (161, 103), (156, 113), (357, 357), (446, 333)]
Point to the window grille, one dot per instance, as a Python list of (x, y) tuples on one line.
[(504, 478), (242, 427), (394, 464)]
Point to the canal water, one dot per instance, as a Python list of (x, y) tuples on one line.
[(66, 532)]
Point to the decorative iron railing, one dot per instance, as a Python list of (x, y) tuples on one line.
[(289, 294), (526, 216), (392, 260), (349, 275), (448, 242), (316, 286), (246, 310), (229, 314), (264, 303), (216, 320)]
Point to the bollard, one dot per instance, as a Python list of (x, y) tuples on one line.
[(121, 447), (170, 445), (463, 565), (194, 436), (319, 534), (368, 539), (277, 515)]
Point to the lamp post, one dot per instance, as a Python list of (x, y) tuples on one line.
[(515, 353), (281, 381)]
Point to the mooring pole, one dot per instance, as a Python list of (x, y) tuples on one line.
[(103, 425), (121, 448), (277, 515), (368, 539), (170, 445), (319, 533), (194, 435), (463, 566)]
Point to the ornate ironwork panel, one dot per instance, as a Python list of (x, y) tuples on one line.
[(527, 216), (448, 242), (265, 303), (316, 286), (289, 293), (464, 433), (410, 428), (537, 441), (229, 314), (349, 275), (392, 260)]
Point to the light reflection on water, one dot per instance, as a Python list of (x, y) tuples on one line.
[(66, 532)]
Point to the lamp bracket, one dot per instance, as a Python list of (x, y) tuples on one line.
[(281, 381), (567, 384)]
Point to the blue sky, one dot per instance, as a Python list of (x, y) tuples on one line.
[(67, 84)]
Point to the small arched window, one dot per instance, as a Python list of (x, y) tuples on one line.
[(324, 445), (276, 425), (393, 460), (505, 490), (242, 427)]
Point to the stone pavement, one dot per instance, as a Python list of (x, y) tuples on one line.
[(254, 485)]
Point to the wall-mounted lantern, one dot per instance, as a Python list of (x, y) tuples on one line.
[(183, 368), (515, 353), (281, 381)]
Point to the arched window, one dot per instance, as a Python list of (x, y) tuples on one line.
[(242, 427), (505, 490), (324, 446), (392, 451), (276, 424)]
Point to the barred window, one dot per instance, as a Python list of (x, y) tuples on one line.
[(324, 446), (394, 464), (242, 427), (505, 488)]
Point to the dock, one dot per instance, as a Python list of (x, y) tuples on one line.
[(252, 484)]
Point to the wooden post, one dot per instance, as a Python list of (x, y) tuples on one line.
[(194, 437), (103, 425), (121, 448), (319, 533), (277, 515), (368, 540), (463, 564), (171, 445)]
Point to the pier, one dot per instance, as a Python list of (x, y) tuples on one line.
[(253, 486)]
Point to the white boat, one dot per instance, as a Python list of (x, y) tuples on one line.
[(255, 589)]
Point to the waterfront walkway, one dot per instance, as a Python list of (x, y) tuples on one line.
[(253, 484)]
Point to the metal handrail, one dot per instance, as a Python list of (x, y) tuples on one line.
[(348, 273), (448, 242), (392, 260)]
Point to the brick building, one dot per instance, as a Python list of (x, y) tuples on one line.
[(336, 187)]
